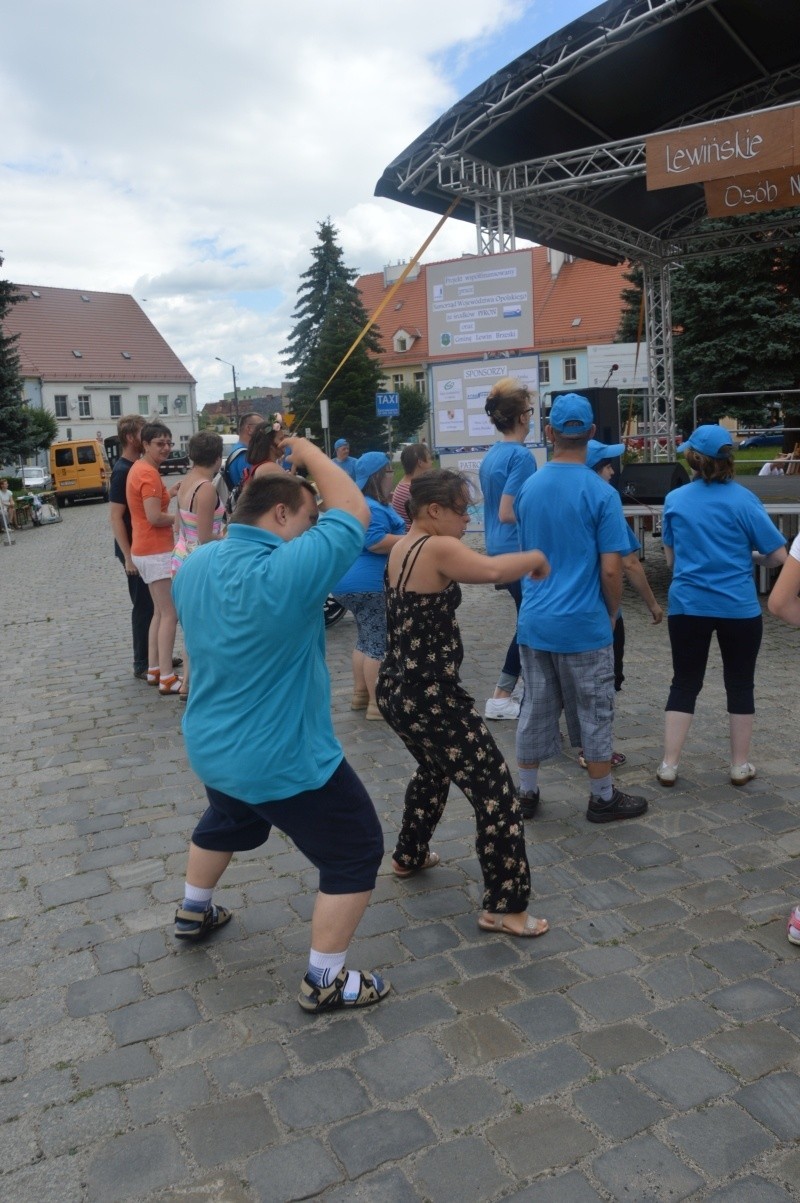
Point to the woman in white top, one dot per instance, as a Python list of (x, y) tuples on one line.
[(784, 603)]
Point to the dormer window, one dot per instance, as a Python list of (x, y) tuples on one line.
[(78, 354), (402, 341), (125, 354)]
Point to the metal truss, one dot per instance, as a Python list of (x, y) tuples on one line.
[(659, 404), (536, 76), (494, 223)]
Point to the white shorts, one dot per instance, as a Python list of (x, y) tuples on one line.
[(154, 568)]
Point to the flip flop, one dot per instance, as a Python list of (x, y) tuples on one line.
[(431, 863), (497, 923)]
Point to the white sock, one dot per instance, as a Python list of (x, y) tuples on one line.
[(197, 898), (323, 967)]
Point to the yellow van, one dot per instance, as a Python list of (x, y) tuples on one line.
[(79, 469)]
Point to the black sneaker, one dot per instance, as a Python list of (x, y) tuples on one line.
[(529, 802), (619, 806)]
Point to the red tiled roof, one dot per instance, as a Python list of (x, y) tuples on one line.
[(590, 291), (58, 321)]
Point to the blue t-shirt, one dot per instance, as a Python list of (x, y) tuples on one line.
[(505, 469), (347, 465), (572, 515), (237, 466), (258, 722), (713, 528), (366, 574)]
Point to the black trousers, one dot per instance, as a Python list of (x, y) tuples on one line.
[(141, 617), (739, 640)]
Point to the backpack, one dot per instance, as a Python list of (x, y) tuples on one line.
[(232, 490)]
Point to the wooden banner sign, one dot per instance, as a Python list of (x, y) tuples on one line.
[(718, 150), (778, 189)]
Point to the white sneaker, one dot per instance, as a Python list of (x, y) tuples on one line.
[(500, 708), (742, 773), (667, 774)]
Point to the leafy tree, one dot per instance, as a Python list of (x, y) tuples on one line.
[(42, 430), (628, 331), (14, 414), (736, 321), (328, 317), (413, 415)]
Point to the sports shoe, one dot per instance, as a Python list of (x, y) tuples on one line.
[(617, 758), (793, 927), (666, 774), (196, 925), (529, 802), (501, 708), (372, 989), (742, 773), (619, 806)]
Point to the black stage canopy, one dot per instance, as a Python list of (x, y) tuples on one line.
[(555, 139)]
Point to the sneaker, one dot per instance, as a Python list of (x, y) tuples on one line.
[(501, 708), (666, 774), (742, 773), (372, 989), (529, 802), (617, 758), (196, 925), (620, 806), (793, 927)]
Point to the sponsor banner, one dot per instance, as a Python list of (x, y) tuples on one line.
[(718, 150), (459, 391), (483, 303)]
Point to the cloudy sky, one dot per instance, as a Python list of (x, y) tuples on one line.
[(186, 150)]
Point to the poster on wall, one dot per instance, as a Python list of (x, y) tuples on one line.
[(469, 462), (480, 304), (459, 391), (618, 365)]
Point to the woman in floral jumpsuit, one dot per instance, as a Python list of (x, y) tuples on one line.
[(419, 693)]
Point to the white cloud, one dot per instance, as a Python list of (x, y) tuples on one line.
[(186, 152)]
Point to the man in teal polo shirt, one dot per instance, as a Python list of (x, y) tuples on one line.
[(258, 725)]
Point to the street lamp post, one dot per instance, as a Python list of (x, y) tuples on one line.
[(235, 389)]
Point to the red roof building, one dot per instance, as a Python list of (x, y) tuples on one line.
[(90, 357)]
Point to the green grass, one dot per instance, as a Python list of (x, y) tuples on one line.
[(750, 460)]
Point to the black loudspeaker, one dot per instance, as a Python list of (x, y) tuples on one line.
[(773, 489), (648, 484), (605, 403)]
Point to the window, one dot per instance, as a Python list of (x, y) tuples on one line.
[(115, 405), (544, 371), (86, 454), (419, 382), (84, 405), (570, 366), (144, 405), (163, 404), (180, 404), (61, 405), (397, 382), (64, 457)]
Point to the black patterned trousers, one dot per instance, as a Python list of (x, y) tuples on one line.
[(448, 739)]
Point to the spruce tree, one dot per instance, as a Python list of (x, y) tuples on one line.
[(328, 316), (14, 422)]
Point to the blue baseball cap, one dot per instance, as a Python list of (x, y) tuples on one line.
[(714, 441), (571, 415), (368, 464), (340, 443), (596, 452)]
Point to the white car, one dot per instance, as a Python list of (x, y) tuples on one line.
[(35, 478)]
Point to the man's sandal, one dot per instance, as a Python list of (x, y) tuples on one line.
[(196, 925), (372, 988), (431, 861), (497, 923)]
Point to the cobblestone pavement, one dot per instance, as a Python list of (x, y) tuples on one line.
[(646, 1048)]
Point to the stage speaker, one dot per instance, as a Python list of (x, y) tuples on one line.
[(774, 489), (605, 403), (648, 484)]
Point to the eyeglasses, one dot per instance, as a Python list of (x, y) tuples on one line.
[(163, 442)]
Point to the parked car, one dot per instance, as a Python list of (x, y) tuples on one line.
[(178, 462), (767, 438), (35, 478)]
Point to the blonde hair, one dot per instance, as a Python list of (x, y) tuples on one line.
[(508, 399)]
